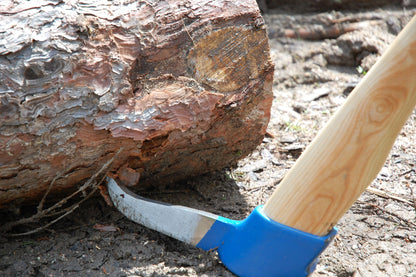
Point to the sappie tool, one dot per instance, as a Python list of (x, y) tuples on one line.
[(286, 235)]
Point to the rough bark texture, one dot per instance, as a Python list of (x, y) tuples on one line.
[(183, 86)]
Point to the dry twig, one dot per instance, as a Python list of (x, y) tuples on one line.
[(388, 195), (53, 210), (413, 195), (320, 32), (397, 217)]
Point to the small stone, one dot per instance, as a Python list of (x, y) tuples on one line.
[(287, 139), (253, 176), (255, 166), (384, 173), (265, 153), (316, 94)]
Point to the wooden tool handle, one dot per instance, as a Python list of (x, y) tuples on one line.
[(349, 152)]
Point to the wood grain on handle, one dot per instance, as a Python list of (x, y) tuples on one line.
[(349, 152)]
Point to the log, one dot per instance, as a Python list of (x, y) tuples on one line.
[(183, 87)]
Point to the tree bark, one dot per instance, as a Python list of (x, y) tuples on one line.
[(184, 87)]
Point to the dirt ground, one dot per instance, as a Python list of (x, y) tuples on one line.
[(377, 237)]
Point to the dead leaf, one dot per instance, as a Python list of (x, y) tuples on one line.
[(105, 228)]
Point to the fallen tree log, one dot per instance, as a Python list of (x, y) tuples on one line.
[(183, 87)]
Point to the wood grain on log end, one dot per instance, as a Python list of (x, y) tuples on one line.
[(184, 87)]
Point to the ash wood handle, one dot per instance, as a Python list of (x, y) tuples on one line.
[(349, 152)]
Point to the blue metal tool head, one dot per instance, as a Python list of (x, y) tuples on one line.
[(259, 246), (255, 246)]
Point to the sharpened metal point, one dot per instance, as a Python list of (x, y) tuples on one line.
[(259, 246)]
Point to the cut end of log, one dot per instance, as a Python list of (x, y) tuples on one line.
[(185, 89), (227, 58)]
